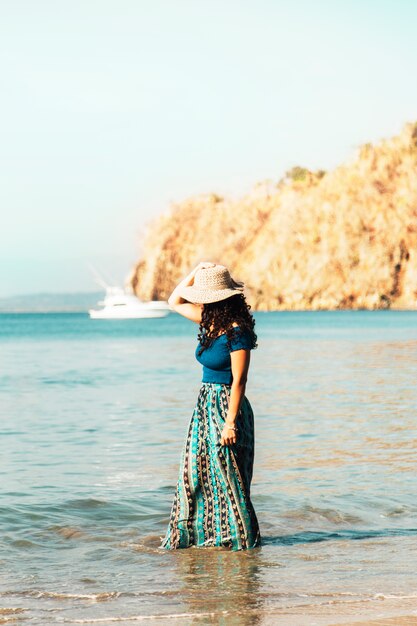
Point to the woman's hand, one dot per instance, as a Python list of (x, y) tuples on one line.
[(189, 280), (181, 306), (228, 436)]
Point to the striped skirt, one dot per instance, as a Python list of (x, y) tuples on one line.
[(212, 505)]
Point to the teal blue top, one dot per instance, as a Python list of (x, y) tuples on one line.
[(216, 361)]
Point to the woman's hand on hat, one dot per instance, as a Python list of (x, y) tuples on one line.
[(189, 280), (201, 266)]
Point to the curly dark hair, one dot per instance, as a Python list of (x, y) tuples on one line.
[(218, 317)]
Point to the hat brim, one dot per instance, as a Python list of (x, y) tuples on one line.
[(202, 296)]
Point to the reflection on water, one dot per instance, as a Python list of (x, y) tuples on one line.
[(220, 584)]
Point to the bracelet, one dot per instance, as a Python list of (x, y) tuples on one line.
[(231, 427)]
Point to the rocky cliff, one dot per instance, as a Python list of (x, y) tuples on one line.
[(313, 240)]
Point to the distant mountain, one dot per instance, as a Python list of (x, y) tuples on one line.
[(341, 239), (50, 302)]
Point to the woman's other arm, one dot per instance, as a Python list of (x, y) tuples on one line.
[(183, 307), (240, 365)]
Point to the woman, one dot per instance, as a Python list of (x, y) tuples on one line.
[(212, 505)]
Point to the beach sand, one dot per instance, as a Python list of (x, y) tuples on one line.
[(379, 611), (403, 620), (285, 619)]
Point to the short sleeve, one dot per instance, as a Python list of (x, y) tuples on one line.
[(241, 341)]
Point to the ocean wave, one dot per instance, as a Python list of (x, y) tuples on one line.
[(347, 534), (57, 595)]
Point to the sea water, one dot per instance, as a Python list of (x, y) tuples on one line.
[(94, 414)]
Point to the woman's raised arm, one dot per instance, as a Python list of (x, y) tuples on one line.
[(183, 307)]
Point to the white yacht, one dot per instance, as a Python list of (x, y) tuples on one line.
[(118, 304), (122, 304)]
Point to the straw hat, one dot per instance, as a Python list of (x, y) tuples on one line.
[(211, 284)]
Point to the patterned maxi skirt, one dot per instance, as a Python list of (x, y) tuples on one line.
[(212, 505)]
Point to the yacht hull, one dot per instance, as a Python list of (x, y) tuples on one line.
[(126, 315)]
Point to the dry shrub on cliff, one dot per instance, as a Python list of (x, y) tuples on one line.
[(342, 239)]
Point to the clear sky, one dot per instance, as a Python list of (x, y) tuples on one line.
[(112, 109)]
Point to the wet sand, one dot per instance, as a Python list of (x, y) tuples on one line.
[(405, 620), (377, 612)]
